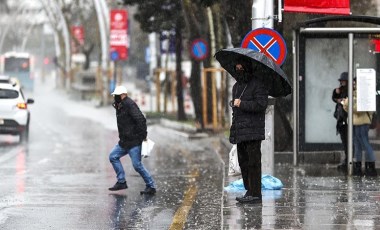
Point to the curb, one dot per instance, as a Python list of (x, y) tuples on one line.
[(181, 129)]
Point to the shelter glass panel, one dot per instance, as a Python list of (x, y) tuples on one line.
[(325, 60)]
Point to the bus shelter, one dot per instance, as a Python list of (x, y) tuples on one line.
[(321, 52)]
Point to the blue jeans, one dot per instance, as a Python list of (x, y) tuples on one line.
[(135, 155), (361, 142)]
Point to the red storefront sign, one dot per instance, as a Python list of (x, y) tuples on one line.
[(118, 34), (318, 7), (77, 34)]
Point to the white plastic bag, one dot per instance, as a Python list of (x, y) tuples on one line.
[(146, 148), (234, 168)]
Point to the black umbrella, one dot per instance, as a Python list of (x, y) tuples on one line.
[(262, 66)]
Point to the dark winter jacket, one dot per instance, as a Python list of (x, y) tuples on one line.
[(339, 113), (131, 124), (248, 120)]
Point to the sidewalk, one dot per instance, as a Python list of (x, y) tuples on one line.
[(314, 196)]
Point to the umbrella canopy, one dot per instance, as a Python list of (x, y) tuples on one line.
[(263, 67)]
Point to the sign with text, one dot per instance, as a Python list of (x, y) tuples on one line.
[(118, 34), (366, 89)]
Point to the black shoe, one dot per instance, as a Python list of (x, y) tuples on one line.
[(118, 186), (240, 197), (250, 200), (370, 169), (149, 191), (357, 169)]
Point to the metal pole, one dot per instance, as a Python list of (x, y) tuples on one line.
[(152, 65), (262, 16), (105, 10), (341, 30), (103, 38), (295, 99), (279, 10), (115, 73), (350, 97)]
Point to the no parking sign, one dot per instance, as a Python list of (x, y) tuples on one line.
[(268, 42), (199, 49)]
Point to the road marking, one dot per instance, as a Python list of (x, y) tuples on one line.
[(180, 216)]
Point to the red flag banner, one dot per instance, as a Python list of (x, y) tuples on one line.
[(119, 34), (78, 33), (318, 6)]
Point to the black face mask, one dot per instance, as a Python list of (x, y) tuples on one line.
[(242, 76), (117, 98)]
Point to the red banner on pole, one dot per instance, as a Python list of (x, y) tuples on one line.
[(318, 7), (78, 34), (118, 34)]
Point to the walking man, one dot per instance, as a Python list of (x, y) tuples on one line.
[(132, 128)]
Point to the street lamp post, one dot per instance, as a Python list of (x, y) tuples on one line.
[(100, 9)]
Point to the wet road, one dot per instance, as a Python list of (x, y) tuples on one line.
[(60, 179)]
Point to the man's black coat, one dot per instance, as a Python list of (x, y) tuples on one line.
[(131, 123)]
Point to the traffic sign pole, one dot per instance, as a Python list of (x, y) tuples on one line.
[(262, 16), (114, 73)]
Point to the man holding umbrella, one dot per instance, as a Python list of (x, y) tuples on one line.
[(257, 77)]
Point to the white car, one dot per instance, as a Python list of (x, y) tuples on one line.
[(14, 113), (5, 79)]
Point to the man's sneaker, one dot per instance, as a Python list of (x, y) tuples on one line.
[(118, 186), (249, 200), (149, 191)]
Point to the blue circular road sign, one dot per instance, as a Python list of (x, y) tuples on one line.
[(114, 55), (199, 49)]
